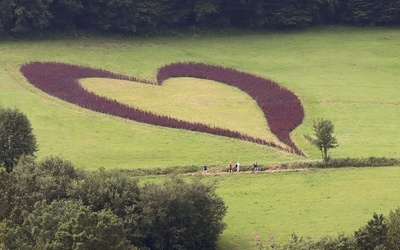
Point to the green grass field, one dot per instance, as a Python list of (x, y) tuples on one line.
[(349, 76), (308, 203)]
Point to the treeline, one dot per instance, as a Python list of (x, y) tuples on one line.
[(52, 205), (151, 16)]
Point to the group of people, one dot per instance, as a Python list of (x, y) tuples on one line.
[(237, 167)]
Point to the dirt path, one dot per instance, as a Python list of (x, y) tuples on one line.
[(248, 171)]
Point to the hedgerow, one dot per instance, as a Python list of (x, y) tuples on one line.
[(342, 162)]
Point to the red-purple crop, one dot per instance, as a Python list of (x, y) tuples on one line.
[(281, 108)]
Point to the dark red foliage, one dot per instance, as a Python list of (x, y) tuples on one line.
[(282, 109)]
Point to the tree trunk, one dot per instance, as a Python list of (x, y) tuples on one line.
[(325, 155)]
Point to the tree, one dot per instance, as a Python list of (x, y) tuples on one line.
[(7, 187), (49, 180), (16, 138), (361, 12), (180, 215), (393, 230), (372, 235), (111, 189), (323, 139), (65, 14), (67, 225), (25, 15)]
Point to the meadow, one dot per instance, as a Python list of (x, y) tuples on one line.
[(272, 206), (347, 75)]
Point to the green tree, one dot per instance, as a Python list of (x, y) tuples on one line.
[(50, 205), (16, 138), (372, 235), (65, 14), (290, 14), (323, 138), (25, 15), (180, 215), (389, 12), (341, 242), (7, 186), (103, 189), (49, 180), (206, 11), (393, 230), (67, 225), (326, 11)]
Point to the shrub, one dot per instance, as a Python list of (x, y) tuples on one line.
[(393, 229), (103, 189), (180, 215), (31, 182), (341, 242), (50, 205), (373, 234), (343, 162), (67, 225)]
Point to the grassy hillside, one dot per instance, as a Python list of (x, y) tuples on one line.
[(307, 203), (349, 76), (271, 206)]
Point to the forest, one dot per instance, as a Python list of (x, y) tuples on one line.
[(155, 16)]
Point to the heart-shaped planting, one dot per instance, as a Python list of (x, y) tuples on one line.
[(281, 108)]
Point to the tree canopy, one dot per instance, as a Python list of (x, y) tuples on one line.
[(167, 209), (323, 137), (51, 205), (68, 225), (151, 16), (16, 137)]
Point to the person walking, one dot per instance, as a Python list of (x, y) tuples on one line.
[(204, 169), (237, 166), (255, 166), (230, 167)]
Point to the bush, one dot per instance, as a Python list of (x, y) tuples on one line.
[(343, 162), (393, 226), (180, 215), (106, 190), (67, 225), (379, 233), (373, 234), (341, 242), (50, 205), (31, 182)]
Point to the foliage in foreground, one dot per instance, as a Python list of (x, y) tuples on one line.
[(52, 205), (380, 233)]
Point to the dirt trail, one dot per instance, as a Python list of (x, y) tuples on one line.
[(248, 171)]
